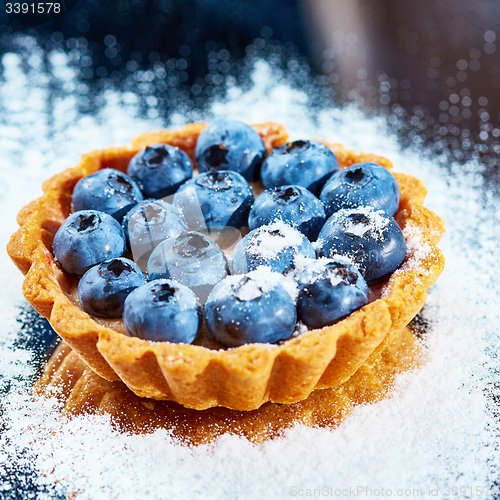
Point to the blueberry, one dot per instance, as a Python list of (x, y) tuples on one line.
[(109, 191), (304, 163), (102, 290), (87, 238), (162, 310), (191, 259), (148, 224), (230, 145), (363, 184), (329, 289), (371, 239), (275, 245), (218, 198), (160, 170), (250, 308), (295, 205)]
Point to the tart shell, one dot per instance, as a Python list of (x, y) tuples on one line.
[(246, 377)]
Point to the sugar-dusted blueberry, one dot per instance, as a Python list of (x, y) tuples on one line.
[(295, 205), (192, 259), (160, 170), (275, 245), (148, 224), (163, 311), (87, 238), (102, 290), (361, 185), (329, 289), (230, 145), (250, 308), (215, 199), (304, 163), (370, 238), (109, 191)]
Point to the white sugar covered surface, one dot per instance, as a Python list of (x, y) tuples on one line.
[(436, 430)]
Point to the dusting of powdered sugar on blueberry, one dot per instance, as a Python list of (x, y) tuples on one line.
[(224, 287), (370, 220), (272, 239), (316, 267), (251, 285)]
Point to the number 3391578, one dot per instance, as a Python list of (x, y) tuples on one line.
[(32, 8)]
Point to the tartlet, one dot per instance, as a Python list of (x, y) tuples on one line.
[(205, 376)]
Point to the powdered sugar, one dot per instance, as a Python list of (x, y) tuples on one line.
[(223, 288), (374, 223), (252, 288), (417, 248), (417, 251), (356, 229), (252, 285), (300, 328), (315, 268), (268, 241)]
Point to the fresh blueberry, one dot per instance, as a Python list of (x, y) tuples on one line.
[(250, 308), (361, 185), (102, 290), (303, 163), (160, 170), (230, 145), (329, 289), (191, 259), (275, 245), (371, 239), (109, 191), (215, 199), (148, 224), (87, 238), (295, 205), (162, 311)]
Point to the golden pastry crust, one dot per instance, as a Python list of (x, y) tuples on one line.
[(198, 377), (83, 392)]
